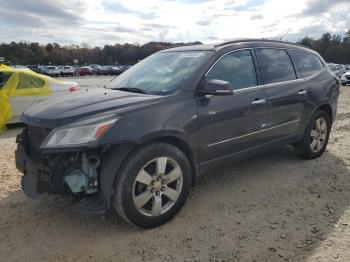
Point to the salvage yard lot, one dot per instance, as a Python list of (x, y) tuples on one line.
[(275, 207)]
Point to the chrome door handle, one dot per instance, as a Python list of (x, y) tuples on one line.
[(302, 92), (259, 102)]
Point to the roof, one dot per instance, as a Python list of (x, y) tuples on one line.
[(241, 43)]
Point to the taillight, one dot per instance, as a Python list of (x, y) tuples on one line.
[(73, 88)]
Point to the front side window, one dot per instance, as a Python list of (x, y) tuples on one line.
[(275, 65), (4, 77), (307, 64), (236, 68), (161, 73), (29, 81)]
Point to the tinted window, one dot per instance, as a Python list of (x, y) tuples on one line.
[(237, 68), (4, 77), (307, 64), (28, 81), (275, 65)]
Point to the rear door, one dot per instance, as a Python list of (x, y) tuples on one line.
[(229, 124), (286, 94)]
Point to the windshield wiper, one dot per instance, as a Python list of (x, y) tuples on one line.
[(131, 89)]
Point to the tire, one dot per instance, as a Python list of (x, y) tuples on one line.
[(315, 140), (130, 196)]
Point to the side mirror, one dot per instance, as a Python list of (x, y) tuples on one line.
[(216, 87)]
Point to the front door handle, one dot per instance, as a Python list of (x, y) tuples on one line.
[(302, 92), (259, 102)]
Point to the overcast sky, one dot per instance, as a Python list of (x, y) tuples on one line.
[(100, 22)]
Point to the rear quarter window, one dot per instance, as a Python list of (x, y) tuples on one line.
[(307, 64), (275, 65), (29, 81)]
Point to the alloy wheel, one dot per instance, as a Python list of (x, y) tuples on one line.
[(157, 186), (318, 135)]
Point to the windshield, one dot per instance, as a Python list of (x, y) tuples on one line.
[(161, 73)]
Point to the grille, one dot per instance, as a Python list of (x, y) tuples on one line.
[(35, 137), (347, 77)]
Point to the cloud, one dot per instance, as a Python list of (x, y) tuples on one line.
[(100, 22), (204, 22), (257, 17), (112, 6), (316, 7), (61, 10)]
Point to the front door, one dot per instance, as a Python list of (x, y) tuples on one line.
[(229, 124)]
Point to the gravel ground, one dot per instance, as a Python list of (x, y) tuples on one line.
[(275, 207)]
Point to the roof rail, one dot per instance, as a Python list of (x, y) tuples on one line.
[(259, 40)]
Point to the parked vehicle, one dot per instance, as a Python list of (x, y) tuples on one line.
[(67, 71), (141, 143), (22, 88), (123, 68), (83, 71), (334, 69), (51, 71), (99, 70), (35, 68), (345, 78), (114, 70), (341, 69)]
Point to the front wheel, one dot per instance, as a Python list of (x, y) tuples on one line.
[(316, 136), (152, 185)]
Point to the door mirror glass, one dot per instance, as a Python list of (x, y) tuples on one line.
[(217, 87)]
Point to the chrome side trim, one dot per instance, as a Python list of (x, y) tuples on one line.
[(242, 90), (253, 133)]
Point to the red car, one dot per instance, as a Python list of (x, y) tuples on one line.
[(83, 71)]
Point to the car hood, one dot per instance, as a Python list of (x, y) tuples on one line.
[(69, 108)]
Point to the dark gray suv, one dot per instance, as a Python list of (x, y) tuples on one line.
[(140, 143)]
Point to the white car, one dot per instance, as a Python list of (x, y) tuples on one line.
[(345, 79), (21, 88), (51, 71), (67, 71)]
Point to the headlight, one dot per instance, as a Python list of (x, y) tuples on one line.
[(79, 134)]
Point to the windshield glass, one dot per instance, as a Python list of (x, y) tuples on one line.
[(160, 73)]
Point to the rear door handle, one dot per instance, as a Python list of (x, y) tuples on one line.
[(302, 92), (259, 102)]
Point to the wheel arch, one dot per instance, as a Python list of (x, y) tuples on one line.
[(328, 109), (115, 156), (184, 147)]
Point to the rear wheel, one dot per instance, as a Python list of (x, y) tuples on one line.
[(316, 136), (152, 185)]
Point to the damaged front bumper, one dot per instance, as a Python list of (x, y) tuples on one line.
[(73, 174)]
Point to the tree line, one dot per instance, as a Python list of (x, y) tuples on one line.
[(23, 53), (334, 49)]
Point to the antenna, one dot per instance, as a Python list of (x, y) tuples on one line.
[(285, 34)]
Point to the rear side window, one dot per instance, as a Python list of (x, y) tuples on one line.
[(29, 81), (307, 64), (275, 65), (237, 68), (4, 77)]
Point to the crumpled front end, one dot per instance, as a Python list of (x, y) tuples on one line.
[(73, 173)]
